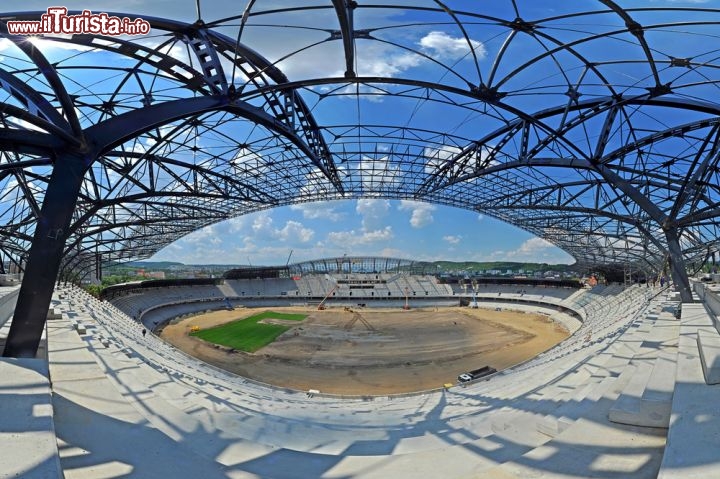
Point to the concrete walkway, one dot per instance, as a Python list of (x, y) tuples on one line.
[(27, 435), (100, 434)]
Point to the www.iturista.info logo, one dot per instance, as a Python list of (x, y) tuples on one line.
[(57, 22)]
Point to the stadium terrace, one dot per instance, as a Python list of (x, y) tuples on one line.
[(593, 125)]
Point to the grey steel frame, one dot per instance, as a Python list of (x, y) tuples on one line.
[(93, 175)]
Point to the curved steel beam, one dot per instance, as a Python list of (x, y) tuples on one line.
[(636, 30), (140, 198), (344, 11), (47, 117), (154, 158), (210, 64), (49, 72), (22, 164), (30, 142), (632, 221), (116, 130), (306, 125), (590, 109), (12, 111)]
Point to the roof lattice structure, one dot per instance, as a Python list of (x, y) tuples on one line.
[(594, 126)]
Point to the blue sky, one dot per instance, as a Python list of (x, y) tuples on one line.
[(360, 227), (314, 230)]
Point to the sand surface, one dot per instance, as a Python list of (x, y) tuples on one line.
[(374, 351)]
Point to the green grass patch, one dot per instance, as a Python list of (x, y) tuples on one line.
[(248, 334)]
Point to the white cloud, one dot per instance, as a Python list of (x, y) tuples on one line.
[(318, 211), (352, 238), (535, 250), (317, 185), (176, 49), (371, 232), (326, 59), (46, 43), (436, 158), (375, 60), (378, 59), (377, 173), (237, 224), (245, 156), (294, 231), (262, 225), (10, 187), (203, 237), (421, 212), (534, 245), (442, 46), (452, 239), (255, 236), (373, 211)]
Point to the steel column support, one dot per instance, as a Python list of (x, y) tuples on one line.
[(677, 266), (344, 10), (45, 255)]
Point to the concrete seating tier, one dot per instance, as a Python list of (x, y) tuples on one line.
[(548, 294), (383, 285), (209, 423), (709, 347), (693, 441), (260, 287), (8, 298), (646, 399)]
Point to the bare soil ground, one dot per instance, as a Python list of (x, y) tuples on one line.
[(373, 351)]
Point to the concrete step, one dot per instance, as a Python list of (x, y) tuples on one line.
[(693, 441), (520, 429), (591, 442), (608, 370), (100, 433), (647, 398), (709, 348)]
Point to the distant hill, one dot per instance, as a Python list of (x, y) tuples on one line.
[(151, 264), (499, 265), (441, 265), (170, 264)]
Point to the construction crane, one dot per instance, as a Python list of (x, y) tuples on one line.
[(332, 281), (321, 306)]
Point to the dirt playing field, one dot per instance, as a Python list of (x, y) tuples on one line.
[(373, 351)]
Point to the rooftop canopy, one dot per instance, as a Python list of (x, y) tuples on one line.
[(590, 124)]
